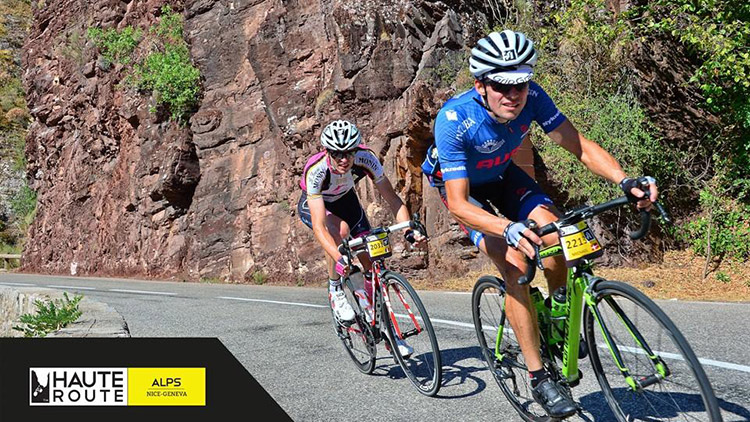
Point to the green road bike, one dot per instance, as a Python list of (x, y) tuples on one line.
[(644, 366), (390, 310)]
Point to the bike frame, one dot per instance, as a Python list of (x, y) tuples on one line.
[(381, 300), (581, 289)]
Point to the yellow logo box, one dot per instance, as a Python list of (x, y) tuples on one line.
[(166, 386)]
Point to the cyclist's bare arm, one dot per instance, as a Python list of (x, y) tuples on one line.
[(594, 157), (398, 208), (320, 229), (468, 214)]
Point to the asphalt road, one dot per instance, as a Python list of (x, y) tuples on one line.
[(284, 337)]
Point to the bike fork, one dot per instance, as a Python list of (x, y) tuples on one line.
[(635, 384)]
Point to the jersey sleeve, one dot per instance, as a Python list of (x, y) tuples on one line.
[(449, 131), (546, 112), (314, 181), (369, 163)]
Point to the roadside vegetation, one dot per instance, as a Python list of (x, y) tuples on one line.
[(156, 60), (705, 182), (50, 316), (17, 199)]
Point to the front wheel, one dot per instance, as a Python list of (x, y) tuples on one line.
[(644, 365), (406, 320), (356, 336)]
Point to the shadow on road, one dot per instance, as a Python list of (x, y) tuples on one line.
[(595, 405), (455, 372)]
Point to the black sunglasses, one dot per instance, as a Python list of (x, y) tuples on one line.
[(506, 88), (338, 155)]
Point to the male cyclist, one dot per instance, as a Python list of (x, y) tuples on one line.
[(476, 133), (330, 207)]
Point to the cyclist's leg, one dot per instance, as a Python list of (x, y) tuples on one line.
[(555, 270), (512, 264), (350, 212), (524, 199), (337, 228), (518, 197)]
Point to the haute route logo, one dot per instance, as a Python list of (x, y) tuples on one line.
[(117, 386)]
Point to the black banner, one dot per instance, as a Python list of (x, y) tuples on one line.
[(95, 379)]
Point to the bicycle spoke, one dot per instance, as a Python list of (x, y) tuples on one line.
[(636, 326), (408, 322), (510, 373), (356, 337)]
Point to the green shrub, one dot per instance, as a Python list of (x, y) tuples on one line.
[(50, 316), (717, 34), (724, 225), (260, 277), (23, 203), (115, 46), (723, 277), (168, 72), (618, 125), (11, 94), (172, 78)]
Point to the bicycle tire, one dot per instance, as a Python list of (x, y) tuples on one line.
[(356, 337), (693, 397), (423, 367), (487, 308)]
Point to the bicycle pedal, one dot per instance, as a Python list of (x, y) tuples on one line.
[(345, 324), (577, 381)]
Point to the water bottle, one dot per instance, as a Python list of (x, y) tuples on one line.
[(364, 303), (559, 312), (364, 296)]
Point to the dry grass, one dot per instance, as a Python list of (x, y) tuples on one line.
[(679, 276)]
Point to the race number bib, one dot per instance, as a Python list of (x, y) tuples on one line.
[(578, 242), (378, 245)]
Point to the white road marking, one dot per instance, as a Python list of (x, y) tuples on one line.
[(310, 305), (704, 361), (143, 292), (439, 321), (71, 287)]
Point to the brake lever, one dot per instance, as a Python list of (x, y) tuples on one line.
[(534, 263), (417, 225), (663, 213)]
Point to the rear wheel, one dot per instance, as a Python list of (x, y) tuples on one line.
[(408, 321), (356, 336), (668, 383), (503, 355)]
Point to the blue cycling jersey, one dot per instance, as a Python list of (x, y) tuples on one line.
[(471, 144)]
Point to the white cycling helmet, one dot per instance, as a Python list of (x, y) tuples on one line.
[(507, 57), (340, 135)]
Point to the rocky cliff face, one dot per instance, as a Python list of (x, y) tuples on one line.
[(123, 191)]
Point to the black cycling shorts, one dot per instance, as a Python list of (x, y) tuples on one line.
[(346, 208), (514, 196)]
